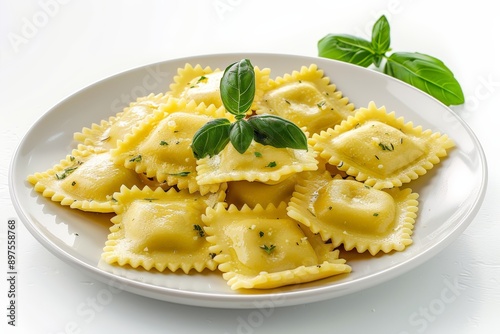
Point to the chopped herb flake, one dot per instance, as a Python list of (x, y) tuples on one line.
[(268, 249), (66, 172), (271, 164), (163, 143), (180, 174), (137, 158), (200, 230), (386, 147)]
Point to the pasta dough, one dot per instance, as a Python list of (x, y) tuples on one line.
[(307, 98), (158, 229), (85, 180), (261, 163), (160, 146), (240, 193), (202, 85), (262, 248), (376, 147), (106, 134), (267, 218), (352, 214)]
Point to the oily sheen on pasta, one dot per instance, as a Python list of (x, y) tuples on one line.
[(263, 219), (263, 248), (380, 149)]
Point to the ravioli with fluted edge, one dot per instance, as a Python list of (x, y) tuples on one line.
[(353, 214), (160, 146), (202, 84), (306, 97), (266, 218), (262, 248), (86, 179), (379, 149), (106, 134), (240, 193), (262, 163), (161, 230)]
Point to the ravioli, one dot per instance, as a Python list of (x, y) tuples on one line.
[(354, 215), (379, 149), (161, 230), (160, 147), (106, 134), (261, 163), (262, 248), (85, 180), (240, 193), (202, 85), (267, 218), (307, 98)]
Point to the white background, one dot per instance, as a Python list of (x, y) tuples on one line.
[(51, 49)]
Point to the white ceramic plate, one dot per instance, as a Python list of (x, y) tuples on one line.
[(450, 194)]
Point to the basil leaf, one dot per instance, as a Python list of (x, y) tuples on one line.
[(237, 87), (241, 135), (346, 48), (278, 132), (428, 74), (211, 138), (381, 39)]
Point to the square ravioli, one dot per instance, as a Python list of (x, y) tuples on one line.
[(158, 229), (160, 147), (379, 149), (240, 193), (106, 134), (202, 84), (262, 248), (263, 163), (354, 215), (307, 98), (85, 180)]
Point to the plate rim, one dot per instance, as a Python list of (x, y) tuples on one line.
[(204, 299)]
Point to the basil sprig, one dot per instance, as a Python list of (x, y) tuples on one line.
[(237, 89), (424, 72)]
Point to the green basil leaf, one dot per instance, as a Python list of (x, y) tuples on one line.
[(346, 48), (241, 135), (237, 87), (211, 138), (278, 132), (427, 73), (381, 39)]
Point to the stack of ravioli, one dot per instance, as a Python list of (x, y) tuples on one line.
[(266, 218)]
